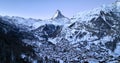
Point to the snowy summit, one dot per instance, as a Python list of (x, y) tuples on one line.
[(58, 15)]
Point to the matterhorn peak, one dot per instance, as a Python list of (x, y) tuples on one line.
[(58, 15)]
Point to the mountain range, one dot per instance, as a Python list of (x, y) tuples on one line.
[(88, 37)]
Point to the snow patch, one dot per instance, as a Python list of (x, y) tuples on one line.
[(117, 50)]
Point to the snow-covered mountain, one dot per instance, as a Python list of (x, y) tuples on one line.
[(90, 36), (58, 15)]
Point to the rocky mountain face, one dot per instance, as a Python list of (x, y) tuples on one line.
[(12, 47), (92, 36)]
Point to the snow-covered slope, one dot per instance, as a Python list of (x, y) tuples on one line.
[(90, 36)]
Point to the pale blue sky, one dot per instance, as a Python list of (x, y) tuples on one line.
[(45, 9)]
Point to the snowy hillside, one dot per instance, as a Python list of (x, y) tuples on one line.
[(90, 36)]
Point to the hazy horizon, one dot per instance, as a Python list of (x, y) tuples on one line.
[(45, 9)]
